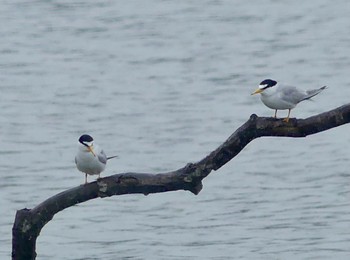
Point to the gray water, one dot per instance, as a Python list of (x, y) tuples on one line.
[(161, 84)]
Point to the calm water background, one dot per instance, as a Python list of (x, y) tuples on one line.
[(161, 84)]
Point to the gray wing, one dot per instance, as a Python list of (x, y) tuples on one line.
[(102, 157), (313, 92), (292, 95)]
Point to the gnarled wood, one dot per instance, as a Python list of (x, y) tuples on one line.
[(29, 222)]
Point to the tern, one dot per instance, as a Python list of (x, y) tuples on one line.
[(90, 158), (282, 97)]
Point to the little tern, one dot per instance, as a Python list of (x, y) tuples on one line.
[(281, 97), (90, 158)]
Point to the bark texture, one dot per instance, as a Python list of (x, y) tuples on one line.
[(29, 222)]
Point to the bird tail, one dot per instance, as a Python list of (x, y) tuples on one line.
[(111, 157), (314, 92)]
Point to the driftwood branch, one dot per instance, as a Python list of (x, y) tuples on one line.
[(29, 222)]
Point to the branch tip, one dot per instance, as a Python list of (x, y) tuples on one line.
[(195, 189), (253, 117)]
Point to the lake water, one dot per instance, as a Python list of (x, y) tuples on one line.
[(161, 84)]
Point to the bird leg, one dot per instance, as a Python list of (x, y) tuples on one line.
[(287, 118), (85, 178), (275, 113)]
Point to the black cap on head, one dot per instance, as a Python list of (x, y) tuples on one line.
[(268, 82), (85, 139)]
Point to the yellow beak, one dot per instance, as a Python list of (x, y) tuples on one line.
[(91, 150), (259, 90)]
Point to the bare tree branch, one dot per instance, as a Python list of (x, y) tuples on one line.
[(29, 222)]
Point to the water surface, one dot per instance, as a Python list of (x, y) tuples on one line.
[(162, 84)]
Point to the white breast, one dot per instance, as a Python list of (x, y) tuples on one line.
[(271, 98), (88, 163)]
